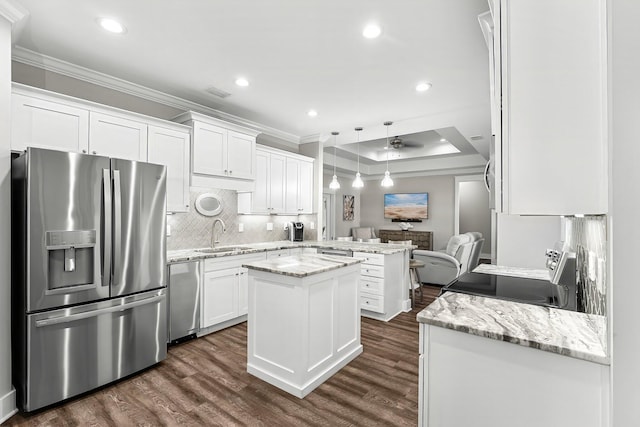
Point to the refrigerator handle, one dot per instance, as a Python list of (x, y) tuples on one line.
[(106, 237), (95, 313), (117, 225)]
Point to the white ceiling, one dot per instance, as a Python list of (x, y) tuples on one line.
[(297, 55)]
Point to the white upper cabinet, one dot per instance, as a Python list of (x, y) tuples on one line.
[(299, 186), (42, 123), (170, 147), (554, 106), (284, 184), (117, 137), (223, 154), (48, 120)]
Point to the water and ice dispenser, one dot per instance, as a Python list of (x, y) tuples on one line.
[(71, 258)]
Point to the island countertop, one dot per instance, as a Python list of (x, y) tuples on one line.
[(302, 265), (578, 335)]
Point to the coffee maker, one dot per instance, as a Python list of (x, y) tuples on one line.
[(296, 231)]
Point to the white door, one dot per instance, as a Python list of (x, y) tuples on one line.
[(209, 150), (241, 152), (328, 217), (117, 137), (170, 147), (220, 296), (44, 124), (305, 185), (292, 186), (277, 179)]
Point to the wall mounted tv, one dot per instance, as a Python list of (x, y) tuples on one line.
[(406, 206)]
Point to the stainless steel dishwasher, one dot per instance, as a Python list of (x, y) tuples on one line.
[(184, 300)]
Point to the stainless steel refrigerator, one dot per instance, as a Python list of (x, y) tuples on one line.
[(88, 272)]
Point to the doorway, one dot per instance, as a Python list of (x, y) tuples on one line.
[(328, 216), (472, 210)]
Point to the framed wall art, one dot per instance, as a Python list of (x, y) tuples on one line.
[(347, 207)]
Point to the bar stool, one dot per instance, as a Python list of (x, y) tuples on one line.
[(414, 278)]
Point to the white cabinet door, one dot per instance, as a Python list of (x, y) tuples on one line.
[(243, 291), (305, 188), (209, 149), (554, 106), (260, 197), (170, 147), (277, 180), (277, 254), (44, 124), (117, 137), (292, 188), (240, 154), (220, 296)]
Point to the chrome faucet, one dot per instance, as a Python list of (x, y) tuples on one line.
[(213, 231)]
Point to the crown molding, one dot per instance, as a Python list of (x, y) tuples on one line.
[(68, 69), (12, 11)]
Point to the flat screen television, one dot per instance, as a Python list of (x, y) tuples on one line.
[(406, 206)]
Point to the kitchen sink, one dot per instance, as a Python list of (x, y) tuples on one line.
[(221, 249)]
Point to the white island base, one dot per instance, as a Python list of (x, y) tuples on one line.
[(302, 330)]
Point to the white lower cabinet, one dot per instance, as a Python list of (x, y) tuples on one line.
[(384, 284), (224, 294)]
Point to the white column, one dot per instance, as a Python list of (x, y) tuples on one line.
[(10, 13)]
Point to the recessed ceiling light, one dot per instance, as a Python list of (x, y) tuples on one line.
[(312, 113), (443, 140), (112, 25), (423, 87), (242, 82), (371, 31)]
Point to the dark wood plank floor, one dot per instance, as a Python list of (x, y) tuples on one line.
[(205, 382)]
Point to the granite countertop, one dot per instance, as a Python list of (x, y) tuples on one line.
[(569, 333), (527, 273), (182, 255), (302, 265)]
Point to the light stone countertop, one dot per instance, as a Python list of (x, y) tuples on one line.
[(302, 265), (527, 273), (182, 255), (565, 332)]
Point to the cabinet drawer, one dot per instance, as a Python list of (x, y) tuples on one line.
[(277, 254), (372, 302), (372, 285), (372, 270), (374, 259), (231, 261)]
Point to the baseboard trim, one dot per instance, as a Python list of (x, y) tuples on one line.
[(8, 405)]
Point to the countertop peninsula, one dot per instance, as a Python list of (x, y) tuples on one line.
[(302, 265), (573, 334)]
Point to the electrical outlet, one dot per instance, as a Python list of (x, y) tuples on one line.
[(240, 227), (312, 226), (269, 226), (168, 230), (284, 226)]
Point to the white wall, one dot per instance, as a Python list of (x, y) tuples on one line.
[(7, 394), (473, 211), (625, 209), (523, 240), (440, 210)]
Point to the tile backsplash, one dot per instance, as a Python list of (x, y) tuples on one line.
[(192, 230), (587, 236)]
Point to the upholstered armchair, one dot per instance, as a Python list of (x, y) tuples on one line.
[(476, 249), (363, 233), (441, 267)]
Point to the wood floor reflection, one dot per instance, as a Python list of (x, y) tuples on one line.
[(204, 382)]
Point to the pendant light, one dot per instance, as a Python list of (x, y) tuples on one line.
[(387, 181), (334, 185), (357, 183)]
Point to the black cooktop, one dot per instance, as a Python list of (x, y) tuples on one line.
[(528, 291)]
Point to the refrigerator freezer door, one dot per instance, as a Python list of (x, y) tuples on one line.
[(64, 228), (139, 222), (71, 351)]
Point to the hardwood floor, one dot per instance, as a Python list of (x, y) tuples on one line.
[(205, 382)]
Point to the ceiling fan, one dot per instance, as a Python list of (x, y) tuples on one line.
[(397, 143)]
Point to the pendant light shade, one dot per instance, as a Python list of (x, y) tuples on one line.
[(357, 183), (334, 184), (387, 181)]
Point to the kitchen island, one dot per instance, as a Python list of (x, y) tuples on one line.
[(492, 362), (303, 322)]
